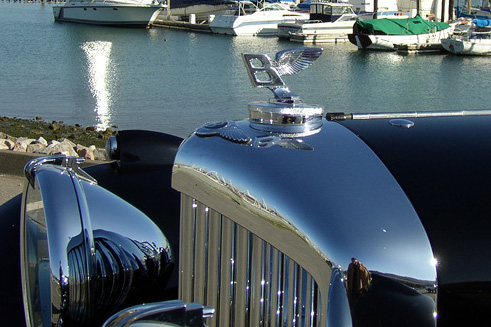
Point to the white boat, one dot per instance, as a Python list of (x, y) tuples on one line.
[(248, 19), (388, 34), (475, 41), (134, 13), (328, 22)]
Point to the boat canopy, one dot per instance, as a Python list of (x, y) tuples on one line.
[(400, 26), (482, 22)]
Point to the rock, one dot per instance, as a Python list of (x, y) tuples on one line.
[(41, 141), (39, 118), (10, 143), (7, 137), (100, 154), (54, 126), (64, 140), (60, 148), (22, 143), (35, 148), (4, 146), (91, 128), (84, 152)]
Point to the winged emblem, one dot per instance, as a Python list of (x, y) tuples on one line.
[(266, 72), (292, 61)]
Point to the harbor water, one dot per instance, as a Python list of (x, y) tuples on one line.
[(174, 81)]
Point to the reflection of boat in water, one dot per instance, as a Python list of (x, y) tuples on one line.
[(474, 41), (248, 19), (134, 13), (386, 34), (329, 21)]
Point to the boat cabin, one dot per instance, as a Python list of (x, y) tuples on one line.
[(329, 11)]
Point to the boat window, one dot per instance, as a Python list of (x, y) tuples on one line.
[(316, 9), (328, 10), (273, 6), (339, 10)]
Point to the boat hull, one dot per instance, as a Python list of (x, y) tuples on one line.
[(390, 42), (475, 47), (257, 24), (327, 32), (113, 15)]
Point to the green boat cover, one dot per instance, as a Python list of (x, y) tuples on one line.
[(391, 26)]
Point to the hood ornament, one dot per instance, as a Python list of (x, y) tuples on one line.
[(286, 113)]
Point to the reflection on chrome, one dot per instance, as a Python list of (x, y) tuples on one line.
[(97, 53)]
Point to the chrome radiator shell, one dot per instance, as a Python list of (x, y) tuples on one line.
[(318, 200)]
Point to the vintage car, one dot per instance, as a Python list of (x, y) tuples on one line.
[(291, 217)]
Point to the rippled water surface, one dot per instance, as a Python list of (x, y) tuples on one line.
[(174, 81)]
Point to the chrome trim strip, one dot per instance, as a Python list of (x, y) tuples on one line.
[(415, 114), (175, 313)]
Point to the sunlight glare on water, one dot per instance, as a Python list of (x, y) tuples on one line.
[(99, 79)]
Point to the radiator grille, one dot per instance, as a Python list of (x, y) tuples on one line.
[(247, 281)]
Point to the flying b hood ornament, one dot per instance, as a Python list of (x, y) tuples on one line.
[(286, 113)]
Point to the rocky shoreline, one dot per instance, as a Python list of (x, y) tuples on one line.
[(41, 137)]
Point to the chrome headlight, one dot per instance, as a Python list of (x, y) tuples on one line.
[(84, 252)]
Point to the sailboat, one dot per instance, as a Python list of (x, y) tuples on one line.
[(388, 34)]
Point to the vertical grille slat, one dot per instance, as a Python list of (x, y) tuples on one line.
[(256, 278), (214, 234), (249, 282), (275, 289), (186, 247), (225, 273), (308, 301), (241, 305), (200, 253)]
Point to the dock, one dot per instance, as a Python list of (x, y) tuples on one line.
[(186, 23), (318, 38)]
